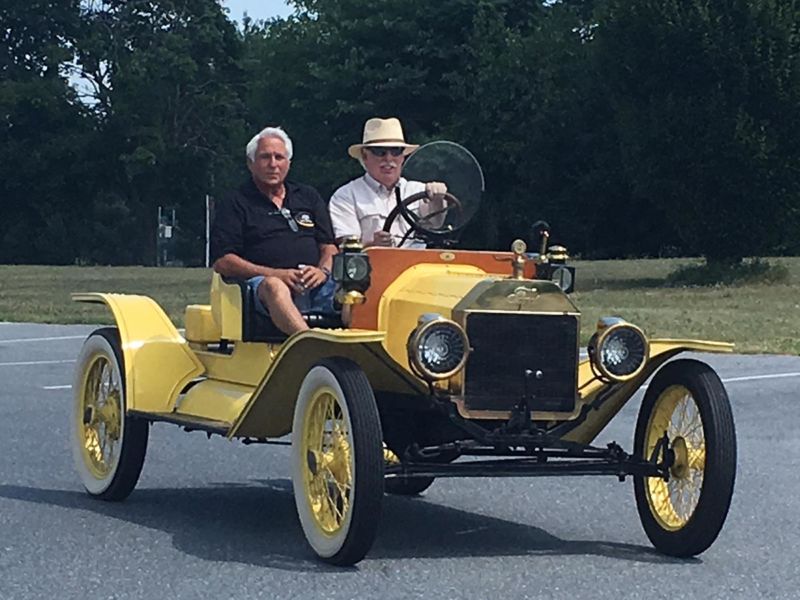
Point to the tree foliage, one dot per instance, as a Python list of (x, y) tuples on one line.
[(706, 100), (41, 128), (634, 128)]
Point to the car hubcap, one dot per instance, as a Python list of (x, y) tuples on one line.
[(100, 417), (328, 476), (673, 502)]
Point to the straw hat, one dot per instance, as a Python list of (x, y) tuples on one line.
[(382, 132)]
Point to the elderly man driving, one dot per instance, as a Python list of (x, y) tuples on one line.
[(360, 207)]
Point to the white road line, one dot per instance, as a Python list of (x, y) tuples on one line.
[(56, 387), (43, 339), (754, 377), (36, 362)]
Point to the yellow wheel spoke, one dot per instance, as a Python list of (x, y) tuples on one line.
[(675, 411), (697, 458), (326, 436), (100, 415)]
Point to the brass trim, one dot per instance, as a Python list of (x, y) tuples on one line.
[(350, 298), (498, 311)]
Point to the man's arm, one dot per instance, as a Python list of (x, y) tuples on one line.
[(326, 254), (234, 266), (342, 210)]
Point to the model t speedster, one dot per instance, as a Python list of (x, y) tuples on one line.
[(443, 363)]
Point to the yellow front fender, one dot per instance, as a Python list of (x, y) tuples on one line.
[(601, 401), (158, 361), (270, 410)]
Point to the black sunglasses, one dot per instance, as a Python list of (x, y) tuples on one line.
[(380, 151)]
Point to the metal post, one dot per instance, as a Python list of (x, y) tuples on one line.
[(159, 240), (208, 230)]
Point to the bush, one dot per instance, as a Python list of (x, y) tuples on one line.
[(756, 270)]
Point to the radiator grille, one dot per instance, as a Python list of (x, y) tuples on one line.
[(505, 345)]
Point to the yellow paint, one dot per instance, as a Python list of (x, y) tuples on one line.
[(426, 288), (226, 307), (215, 400), (270, 411), (158, 361), (200, 324), (246, 365)]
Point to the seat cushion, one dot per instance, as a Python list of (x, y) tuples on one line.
[(258, 327)]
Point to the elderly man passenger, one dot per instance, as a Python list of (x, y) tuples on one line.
[(277, 235), (360, 207)]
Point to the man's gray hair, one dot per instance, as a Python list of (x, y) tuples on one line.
[(277, 132)]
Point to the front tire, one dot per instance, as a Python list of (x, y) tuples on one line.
[(108, 446), (683, 516), (337, 461)]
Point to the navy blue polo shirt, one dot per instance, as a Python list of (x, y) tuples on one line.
[(249, 224)]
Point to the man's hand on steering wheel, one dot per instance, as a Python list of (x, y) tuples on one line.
[(429, 225), (435, 191), (382, 238)]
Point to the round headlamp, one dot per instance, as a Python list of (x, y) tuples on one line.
[(437, 348), (563, 277), (618, 350), (356, 268), (351, 269)]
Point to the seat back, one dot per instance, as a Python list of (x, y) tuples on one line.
[(226, 307), (200, 324)]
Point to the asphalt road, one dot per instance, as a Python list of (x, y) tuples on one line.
[(212, 518)]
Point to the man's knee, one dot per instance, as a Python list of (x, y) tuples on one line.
[(272, 287)]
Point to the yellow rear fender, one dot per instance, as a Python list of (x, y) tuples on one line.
[(158, 361), (270, 410), (601, 400)]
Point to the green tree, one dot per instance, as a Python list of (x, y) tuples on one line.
[(336, 63), (167, 87), (529, 97), (43, 129), (706, 100)]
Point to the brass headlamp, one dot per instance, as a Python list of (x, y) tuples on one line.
[(351, 272)]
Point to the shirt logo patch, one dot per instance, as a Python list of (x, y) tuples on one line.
[(304, 219)]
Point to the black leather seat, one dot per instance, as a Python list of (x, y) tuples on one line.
[(257, 327)]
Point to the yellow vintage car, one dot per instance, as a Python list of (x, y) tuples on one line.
[(443, 363)]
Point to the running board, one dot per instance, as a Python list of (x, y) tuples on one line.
[(188, 422)]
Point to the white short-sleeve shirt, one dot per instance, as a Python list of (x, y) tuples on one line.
[(360, 208)]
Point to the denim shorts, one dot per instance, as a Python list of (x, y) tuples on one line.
[(318, 300)]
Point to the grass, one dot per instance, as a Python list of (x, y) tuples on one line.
[(760, 316), (40, 294)]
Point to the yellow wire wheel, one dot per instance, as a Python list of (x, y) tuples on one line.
[(683, 515), (108, 446), (337, 461)]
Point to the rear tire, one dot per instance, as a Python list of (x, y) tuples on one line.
[(108, 446), (683, 517), (337, 461)]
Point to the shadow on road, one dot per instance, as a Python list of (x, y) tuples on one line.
[(256, 524)]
